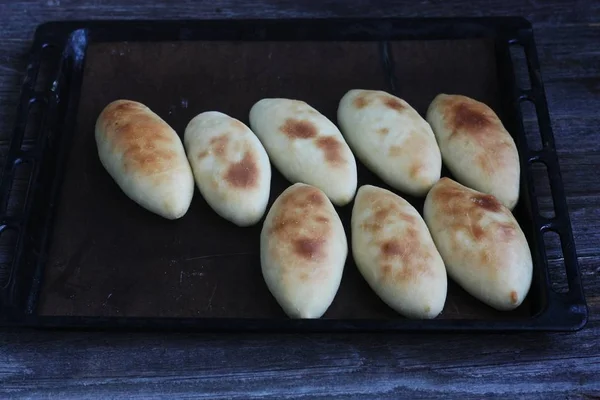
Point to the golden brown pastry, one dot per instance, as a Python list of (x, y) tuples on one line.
[(396, 255), (306, 147), (145, 157), (481, 243), (230, 165), (476, 147), (303, 249), (391, 139)]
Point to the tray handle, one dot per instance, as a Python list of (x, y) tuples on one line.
[(39, 90), (563, 308)]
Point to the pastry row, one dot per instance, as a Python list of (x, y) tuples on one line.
[(230, 161), (404, 258)]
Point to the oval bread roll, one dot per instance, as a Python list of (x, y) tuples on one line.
[(306, 147), (396, 255), (230, 165), (481, 243), (303, 249), (145, 157), (476, 147), (391, 139)]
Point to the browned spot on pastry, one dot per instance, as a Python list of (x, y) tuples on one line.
[(401, 254), (298, 209), (219, 145), (411, 220), (361, 101), (303, 197), (244, 173), (484, 258), (140, 134), (282, 225), (383, 131), (118, 110), (392, 209), (413, 269), (393, 103), (371, 227), (465, 210), (392, 248), (315, 197), (499, 153), (409, 270), (202, 154), (309, 248), (483, 161), (446, 192), (143, 152), (405, 248), (487, 202), (415, 143), (386, 272), (469, 118), (395, 151), (514, 297), (299, 129), (135, 124), (382, 213), (477, 125), (147, 159), (386, 207), (477, 232), (332, 149), (415, 170), (506, 231), (126, 105)]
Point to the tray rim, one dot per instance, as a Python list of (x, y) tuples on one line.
[(572, 308)]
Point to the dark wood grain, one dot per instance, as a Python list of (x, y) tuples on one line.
[(44, 364), (353, 366)]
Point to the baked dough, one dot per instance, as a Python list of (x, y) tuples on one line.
[(395, 253), (481, 243), (303, 250), (306, 147), (145, 157), (391, 139), (230, 165), (476, 147)]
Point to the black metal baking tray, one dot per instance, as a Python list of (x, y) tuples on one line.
[(83, 255)]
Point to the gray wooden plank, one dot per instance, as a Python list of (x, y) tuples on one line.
[(543, 13), (311, 365)]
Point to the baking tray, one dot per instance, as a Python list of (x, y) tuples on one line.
[(81, 254)]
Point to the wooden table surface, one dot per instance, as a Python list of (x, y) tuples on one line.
[(135, 365)]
